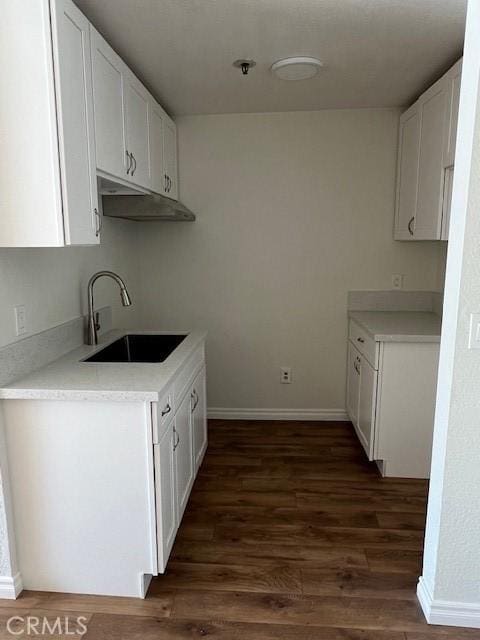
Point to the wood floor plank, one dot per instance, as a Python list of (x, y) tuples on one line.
[(265, 516), (234, 553), (358, 583), (401, 520), (395, 560), (158, 605), (346, 502), (105, 627), (321, 536), (243, 498), (274, 578), (320, 611)]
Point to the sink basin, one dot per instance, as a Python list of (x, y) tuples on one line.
[(139, 348)]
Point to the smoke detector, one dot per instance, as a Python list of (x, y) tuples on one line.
[(296, 68)]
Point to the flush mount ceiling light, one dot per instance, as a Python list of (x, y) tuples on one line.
[(297, 68)]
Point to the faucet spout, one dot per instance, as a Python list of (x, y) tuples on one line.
[(92, 324)]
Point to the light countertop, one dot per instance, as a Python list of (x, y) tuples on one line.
[(399, 326), (69, 378)]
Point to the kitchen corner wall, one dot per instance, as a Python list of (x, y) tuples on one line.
[(52, 283), (294, 210)]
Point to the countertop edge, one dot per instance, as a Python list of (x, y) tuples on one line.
[(15, 391), (388, 337)]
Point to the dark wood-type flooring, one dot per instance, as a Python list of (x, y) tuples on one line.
[(290, 534)]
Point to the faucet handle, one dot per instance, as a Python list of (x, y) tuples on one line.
[(97, 321)]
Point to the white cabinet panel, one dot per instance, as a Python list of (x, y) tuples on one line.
[(170, 158), (108, 78), (447, 202), (199, 418), (428, 217), (366, 407), (165, 496), (156, 127), (48, 191), (453, 100), (136, 123), (353, 383), (183, 455), (71, 38), (407, 173)]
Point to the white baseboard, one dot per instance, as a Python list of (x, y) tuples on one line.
[(10, 587), (445, 612), (224, 413)]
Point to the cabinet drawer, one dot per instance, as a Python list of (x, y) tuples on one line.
[(364, 343), (162, 413)]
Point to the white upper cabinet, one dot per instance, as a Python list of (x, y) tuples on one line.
[(163, 152), (108, 78), (428, 216), (156, 118), (426, 149), (453, 78), (136, 124), (136, 140), (407, 172), (170, 158), (48, 189)]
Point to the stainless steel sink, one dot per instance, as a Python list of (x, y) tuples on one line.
[(139, 348)]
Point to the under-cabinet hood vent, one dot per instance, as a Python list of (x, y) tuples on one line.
[(143, 208)]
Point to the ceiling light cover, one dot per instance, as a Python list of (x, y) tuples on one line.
[(298, 68)]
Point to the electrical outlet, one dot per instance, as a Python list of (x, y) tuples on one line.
[(20, 319), (397, 281), (286, 375)]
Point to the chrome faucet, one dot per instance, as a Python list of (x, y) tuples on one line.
[(92, 323)]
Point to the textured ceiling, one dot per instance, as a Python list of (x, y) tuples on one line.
[(378, 53)]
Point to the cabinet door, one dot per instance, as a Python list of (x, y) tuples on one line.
[(453, 99), (447, 202), (136, 124), (353, 383), (108, 72), (74, 98), (428, 217), (183, 455), (167, 523), (170, 158), (407, 173), (199, 418), (367, 406), (156, 130)]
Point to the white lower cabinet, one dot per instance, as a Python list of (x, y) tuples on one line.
[(107, 484), (179, 447), (167, 522), (391, 401), (183, 455), (199, 419)]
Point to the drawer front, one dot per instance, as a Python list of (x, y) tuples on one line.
[(364, 343), (162, 413)]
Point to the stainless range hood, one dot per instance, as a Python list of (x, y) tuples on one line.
[(146, 207)]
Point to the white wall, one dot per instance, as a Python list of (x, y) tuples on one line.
[(294, 210), (449, 589), (52, 283)]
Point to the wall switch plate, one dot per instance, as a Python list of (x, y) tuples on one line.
[(286, 375), (397, 281), (474, 334), (20, 319)]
